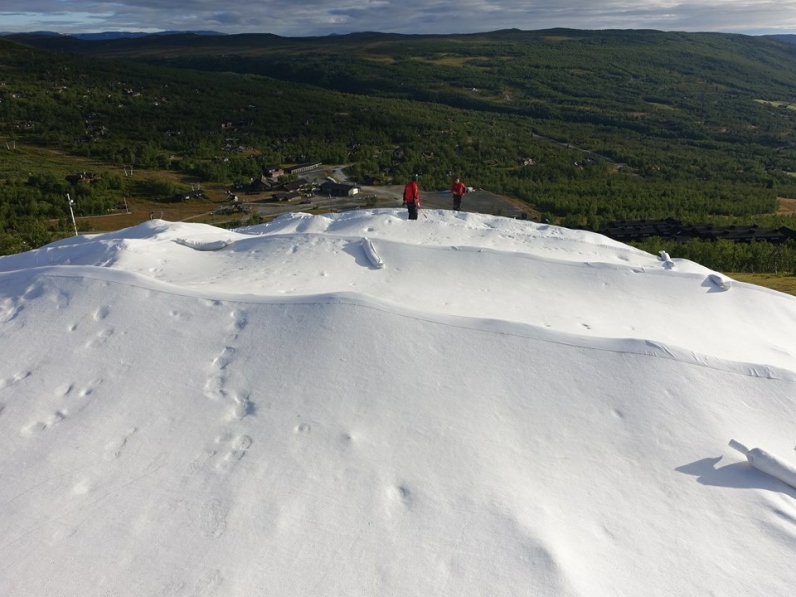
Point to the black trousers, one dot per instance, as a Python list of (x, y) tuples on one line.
[(457, 202), (412, 207)]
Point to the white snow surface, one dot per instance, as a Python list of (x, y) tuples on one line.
[(502, 408)]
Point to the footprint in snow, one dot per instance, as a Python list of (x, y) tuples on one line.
[(16, 378), (100, 338), (213, 518), (37, 427), (82, 487), (399, 498), (214, 387), (237, 450), (222, 361), (242, 406), (113, 449), (89, 389), (101, 313)]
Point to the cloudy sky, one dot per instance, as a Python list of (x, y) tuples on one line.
[(322, 17)]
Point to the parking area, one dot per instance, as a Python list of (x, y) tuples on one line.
[(383, 196), (478, 201)]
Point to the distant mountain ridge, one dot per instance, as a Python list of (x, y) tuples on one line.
[(108, 34), (786, 37)]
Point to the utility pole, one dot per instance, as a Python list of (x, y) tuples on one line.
[(71, 211)]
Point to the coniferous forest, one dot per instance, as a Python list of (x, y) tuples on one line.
[(585, 127)]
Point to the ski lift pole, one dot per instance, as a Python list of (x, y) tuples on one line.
[(71, 211)]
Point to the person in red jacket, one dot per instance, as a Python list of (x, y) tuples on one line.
[(412, 198), (458, 190)]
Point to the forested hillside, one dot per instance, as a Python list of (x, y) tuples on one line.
[(587, 127)]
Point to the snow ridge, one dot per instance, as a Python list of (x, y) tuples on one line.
[(638, 346)]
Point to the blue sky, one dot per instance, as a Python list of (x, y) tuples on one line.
[(322, 17)]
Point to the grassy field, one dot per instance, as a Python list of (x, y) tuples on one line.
[(140, 209), (30, 158), (26, 158), (782, 282)]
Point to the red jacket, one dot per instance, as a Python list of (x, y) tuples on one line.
[(458, 188), (411, 193)]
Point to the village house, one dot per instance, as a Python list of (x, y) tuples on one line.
[(295, 185), (287, 196), (273, 172), (303, 167), (259, 185), (338, 189)]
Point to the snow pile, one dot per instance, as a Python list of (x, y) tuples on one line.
[(358, 404), (768, 463)]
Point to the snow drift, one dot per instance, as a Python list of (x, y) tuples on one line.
[(501, 408)]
